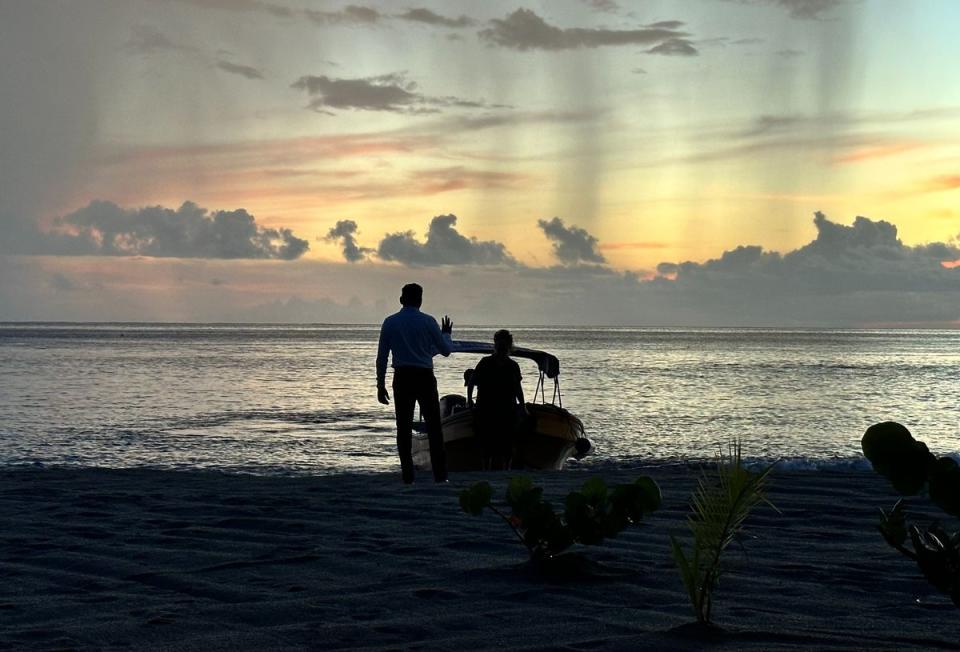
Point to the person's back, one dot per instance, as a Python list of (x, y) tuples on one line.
[(413, 338), (500, 397), (497, 378)]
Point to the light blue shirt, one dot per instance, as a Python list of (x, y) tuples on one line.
[(414, 338)]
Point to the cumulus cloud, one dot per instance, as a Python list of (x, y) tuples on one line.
[(430, 18), (236, 69), (525, 30), (863, 259), (345, 231), (103, 228), (571, 245), (392, 92), (444, 245)]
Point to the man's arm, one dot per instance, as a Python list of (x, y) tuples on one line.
[(441, 336), (519, 389), (383, 349)]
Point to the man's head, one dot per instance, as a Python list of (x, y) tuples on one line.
[(503, 342), (412, 295)]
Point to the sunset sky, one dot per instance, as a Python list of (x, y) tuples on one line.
[(672, 162)]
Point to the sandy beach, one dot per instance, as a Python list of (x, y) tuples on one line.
[(137, 559)]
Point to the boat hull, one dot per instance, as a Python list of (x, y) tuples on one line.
[(546, 443)]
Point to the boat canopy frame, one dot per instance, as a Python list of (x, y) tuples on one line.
[(547, 364)]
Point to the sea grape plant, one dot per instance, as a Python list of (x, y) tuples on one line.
[(720, 507), (911, 468), (590, 515)]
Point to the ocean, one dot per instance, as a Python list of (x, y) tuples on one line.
[(282, 399)]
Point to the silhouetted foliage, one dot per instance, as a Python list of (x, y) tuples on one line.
[(720, 506), (590, 515), (910, 467)]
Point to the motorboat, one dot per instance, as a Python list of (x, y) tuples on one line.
[(545, 440)]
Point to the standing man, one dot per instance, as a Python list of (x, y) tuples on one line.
[(414, 338)]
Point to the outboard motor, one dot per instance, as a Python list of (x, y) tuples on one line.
[(583, 447), (450, 403)]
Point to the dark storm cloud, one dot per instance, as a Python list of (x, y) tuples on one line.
[(571, 245), (525, 30), (349, 15), (104, 229), (430, 18), (675, 47), (236, 69), (443, 246), (345, 231), (392, 92)]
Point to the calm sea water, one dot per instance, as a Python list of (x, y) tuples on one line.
[(278, 399)]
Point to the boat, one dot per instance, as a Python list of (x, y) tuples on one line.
[(545, 441)]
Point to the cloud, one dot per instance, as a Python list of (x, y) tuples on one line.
[(346, 230), (430, 18), (789, 54), (675, 47), (392, 92), (237, 5), (443, 246), (244, 71), (525, 30), (808, 9), (104, 229), (606, 6), (60, 282), (865, 257), (146, 39), (944, 182), (802, 9), (571, 245), (349, 15)]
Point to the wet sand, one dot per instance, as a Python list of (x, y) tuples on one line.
[(160, 560)]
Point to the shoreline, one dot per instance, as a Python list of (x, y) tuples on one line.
[(150, 559)]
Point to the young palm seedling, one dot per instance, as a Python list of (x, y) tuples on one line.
[(720, 506)]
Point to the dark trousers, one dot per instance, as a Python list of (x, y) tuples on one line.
[(416, 385)]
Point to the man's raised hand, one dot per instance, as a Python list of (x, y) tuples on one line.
[(446, 326)]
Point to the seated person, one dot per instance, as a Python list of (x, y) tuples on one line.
[(500, 397)]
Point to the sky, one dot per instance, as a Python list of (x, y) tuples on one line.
[(573, 162)]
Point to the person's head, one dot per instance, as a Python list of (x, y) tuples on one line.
[(502, 342), (411, 295)]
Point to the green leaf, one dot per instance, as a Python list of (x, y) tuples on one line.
[(893, 526), (945, 485), (475, 499), (518, 486), (595, 490), (630, 502), (897, 456), (720, 505)]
